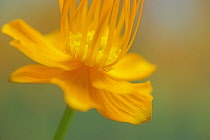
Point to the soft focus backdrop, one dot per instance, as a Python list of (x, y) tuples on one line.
[(174, 34)]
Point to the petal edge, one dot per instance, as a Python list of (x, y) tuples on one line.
[(132, 108), (34, 74), (132, 67)]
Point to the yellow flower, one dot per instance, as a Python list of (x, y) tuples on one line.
[(88, 58)]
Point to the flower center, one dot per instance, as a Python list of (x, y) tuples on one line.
[(89, 52)]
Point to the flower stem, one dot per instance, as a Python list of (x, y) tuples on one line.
[(64, 124)]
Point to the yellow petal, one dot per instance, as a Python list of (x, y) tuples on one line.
[(132, 67), (120, 100), (35, 45), (135, 108), (76, 87), (55, 39), (60, 2), (103, 81), (34, 74)]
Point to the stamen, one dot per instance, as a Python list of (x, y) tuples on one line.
[(75, 45), (111, 32), (99, 36), (126, 47), (103, 21), (140, 2), (86, 28), (65, 28)]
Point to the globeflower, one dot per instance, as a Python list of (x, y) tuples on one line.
[(88, 58)]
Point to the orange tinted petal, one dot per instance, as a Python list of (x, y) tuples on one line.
[(103, 81), (135, 108), (132, 67), (54, 39), (34, 74), (120, 100), (76, 87), (60, 2), (34, 45)]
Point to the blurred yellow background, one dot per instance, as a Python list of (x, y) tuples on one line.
[(174, 34)]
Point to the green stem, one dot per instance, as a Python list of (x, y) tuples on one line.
[(64, 124)]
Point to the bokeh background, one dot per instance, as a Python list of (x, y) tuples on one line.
[(174, 34)]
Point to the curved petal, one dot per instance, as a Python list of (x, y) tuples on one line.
[(120, 100), (34, 45), (132, 67), (106, 82), (55, 40), (76, 87), (34, 74), (135, 108)]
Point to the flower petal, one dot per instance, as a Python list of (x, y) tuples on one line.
[(135, 108), (104, 81), (76, 87), (34, 45), (132, 67), (55, 40), (61, 4), (34, 74), (120, 100)]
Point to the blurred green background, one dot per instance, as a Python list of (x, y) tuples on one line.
[(174, 34)]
